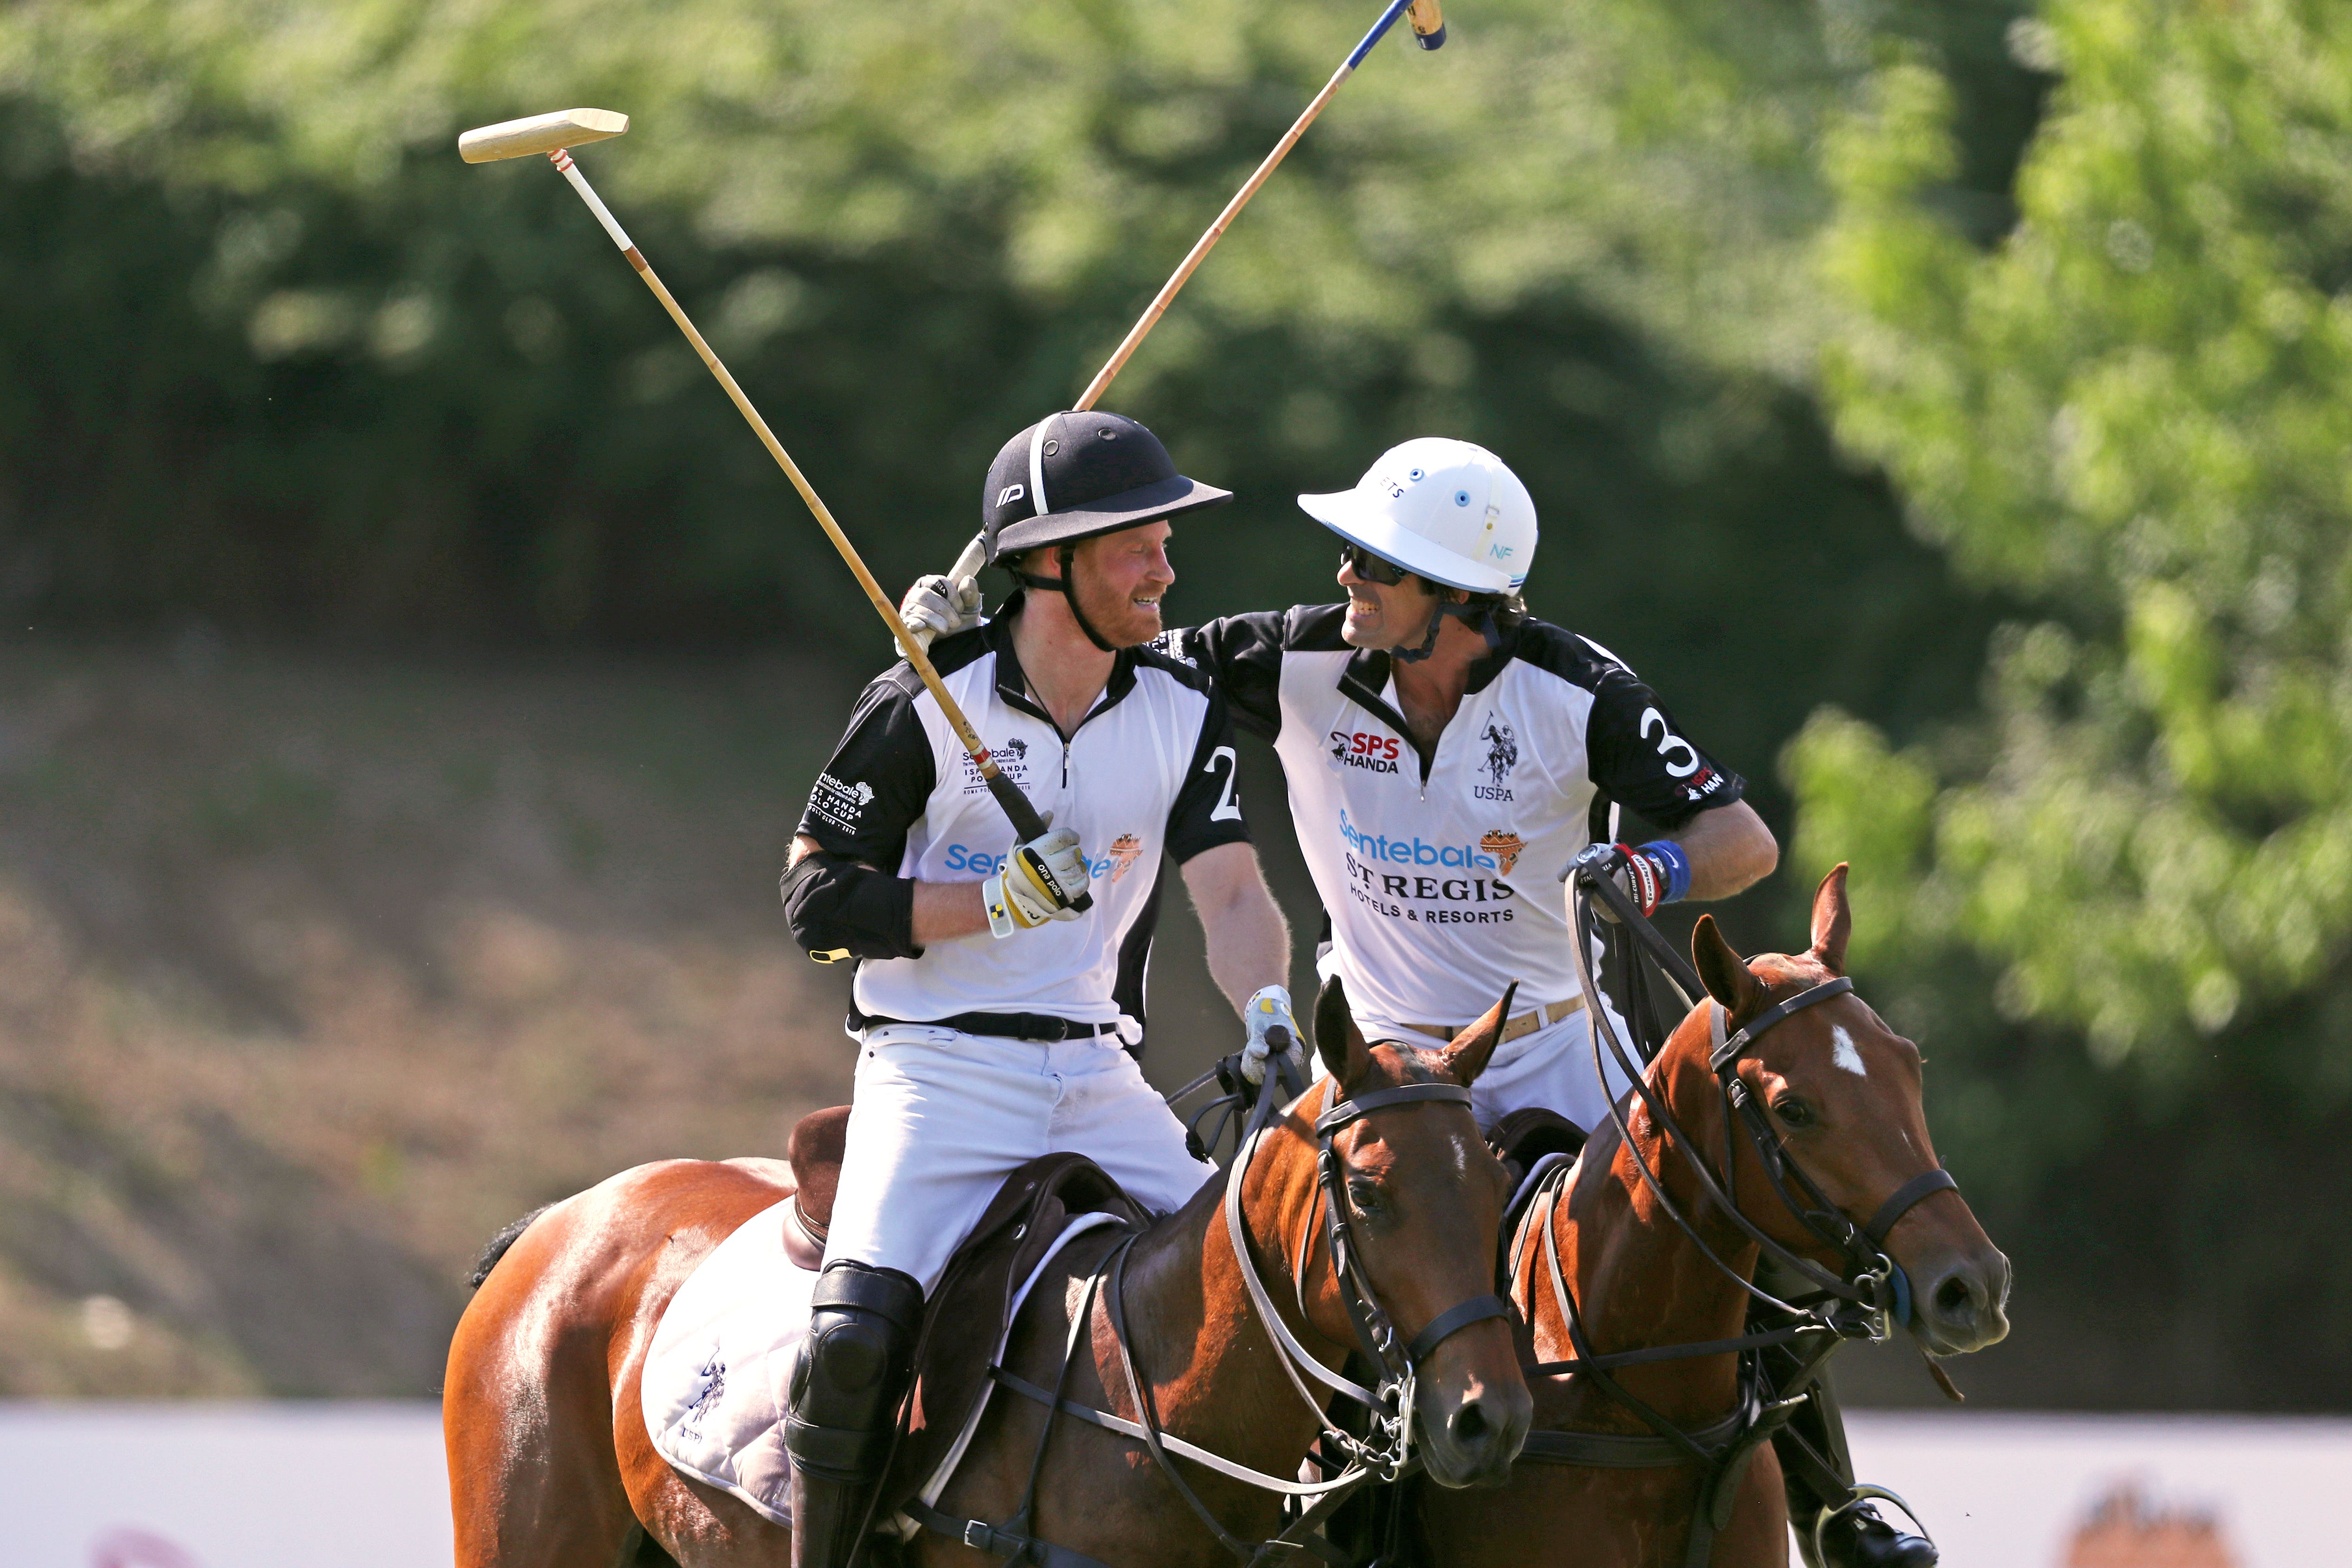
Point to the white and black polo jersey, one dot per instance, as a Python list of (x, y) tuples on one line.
[(1149, 769), (1439, 870)]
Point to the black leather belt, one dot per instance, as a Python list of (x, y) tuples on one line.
[(1010, 1025)]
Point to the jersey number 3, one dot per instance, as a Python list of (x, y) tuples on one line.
[(1228, 809), (1669, 744)]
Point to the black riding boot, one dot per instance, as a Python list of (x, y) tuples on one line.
[(1818, 1476), (844, 1408), (1860, 1539), (1816, 1471)]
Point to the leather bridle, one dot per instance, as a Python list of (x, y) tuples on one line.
[(1868, 1299), (1876, 1293), (1391, 1403), (1383, 1454)]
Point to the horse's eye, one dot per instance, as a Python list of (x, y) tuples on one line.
[(1365, 1198), (1795, 1112)]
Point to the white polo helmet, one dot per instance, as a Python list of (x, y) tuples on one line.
[(1446, 510)]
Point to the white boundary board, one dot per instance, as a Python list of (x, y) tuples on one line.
[(338, 1485)]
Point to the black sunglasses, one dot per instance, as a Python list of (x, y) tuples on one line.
[(1371, 567)]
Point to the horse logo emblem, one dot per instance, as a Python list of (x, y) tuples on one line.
[(1504, 847), (1502, 750), (1124, 849)]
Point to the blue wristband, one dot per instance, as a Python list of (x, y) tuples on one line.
[(1670, 855)]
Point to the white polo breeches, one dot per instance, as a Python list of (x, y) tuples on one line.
[(940, 1118)]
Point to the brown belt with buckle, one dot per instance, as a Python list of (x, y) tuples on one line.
[(1526, 1023)]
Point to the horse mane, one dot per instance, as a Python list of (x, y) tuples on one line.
[(499, 1244)]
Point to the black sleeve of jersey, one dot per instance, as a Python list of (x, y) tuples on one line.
[(849, 899), (878, 780), (1639, 756), (1243, 655), (1208, 809)]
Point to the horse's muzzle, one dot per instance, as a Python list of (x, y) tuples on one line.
[(1471, 1440), (1964, 1306)]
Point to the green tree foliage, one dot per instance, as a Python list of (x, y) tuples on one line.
[(278, 358), (2135, 411), (323, 375), (2131, 417)]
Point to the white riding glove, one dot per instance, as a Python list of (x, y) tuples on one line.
[(1266, 1011), (1040, 881), (938, 606)]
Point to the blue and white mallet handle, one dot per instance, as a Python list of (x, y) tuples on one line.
[(1429, 32)]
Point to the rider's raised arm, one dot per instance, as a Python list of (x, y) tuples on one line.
[(1243, 654), (841, 892), (1640, 756)]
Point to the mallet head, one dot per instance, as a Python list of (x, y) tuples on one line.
[(540, 133), (1428, 24)]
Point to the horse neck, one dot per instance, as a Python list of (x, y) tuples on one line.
[(1214, 1369), (1639, 1278)]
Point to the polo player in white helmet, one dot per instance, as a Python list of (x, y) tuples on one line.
[(1448, 755)]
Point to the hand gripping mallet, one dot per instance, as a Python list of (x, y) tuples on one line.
[(1429, 32), (552, 135)]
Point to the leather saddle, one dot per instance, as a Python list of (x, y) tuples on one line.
[(1525, 1141), (966, 1317), (814, 1152)]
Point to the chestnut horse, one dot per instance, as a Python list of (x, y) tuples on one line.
[(550, 1465), (1841, 1091)]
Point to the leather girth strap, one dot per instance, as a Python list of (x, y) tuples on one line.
[(1622, 1451)]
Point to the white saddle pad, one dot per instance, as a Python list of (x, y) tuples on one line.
[(718, 1373)]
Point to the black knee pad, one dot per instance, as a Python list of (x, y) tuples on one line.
[(852, 1370)]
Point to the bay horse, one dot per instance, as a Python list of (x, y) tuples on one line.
[(550, 1465), (1840, 1093)]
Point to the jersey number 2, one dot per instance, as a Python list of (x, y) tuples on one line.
[(1228, 809)]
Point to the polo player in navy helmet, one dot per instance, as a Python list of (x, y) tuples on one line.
[(995, 1021)]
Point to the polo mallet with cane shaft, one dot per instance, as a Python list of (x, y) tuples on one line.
[(1429, 31), (552, 135)]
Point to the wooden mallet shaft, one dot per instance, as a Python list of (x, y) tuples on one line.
[(521, 138)]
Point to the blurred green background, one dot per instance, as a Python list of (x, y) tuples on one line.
[(412, 667)]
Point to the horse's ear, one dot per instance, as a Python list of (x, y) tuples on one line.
[(1337, 1039), (1832, 920), (1726, 977), (1474, 1047)]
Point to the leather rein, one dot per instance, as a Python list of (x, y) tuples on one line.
[(1868, 1299), (1384, 1455)]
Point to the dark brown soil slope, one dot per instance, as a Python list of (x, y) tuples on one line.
[(314, 974)]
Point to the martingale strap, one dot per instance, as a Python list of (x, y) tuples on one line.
[(1623, 1450)]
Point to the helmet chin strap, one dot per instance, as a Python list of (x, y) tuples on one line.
[(1479, 618), (1067, 556)]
